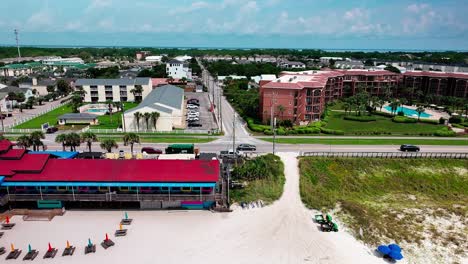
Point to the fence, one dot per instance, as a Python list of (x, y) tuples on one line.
[(177, 132), (25, 119), (389, 155)]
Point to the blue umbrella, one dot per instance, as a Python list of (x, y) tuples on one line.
[(394, 247), (395, 255), (383, 249)]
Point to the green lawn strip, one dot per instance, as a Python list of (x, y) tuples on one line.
[(164, 139), (159, 134), (114, 121), (264, 179), (389, 199), (350, 141), (383, 124), (50, 117)]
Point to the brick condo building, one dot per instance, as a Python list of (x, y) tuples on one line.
[(301, 96), (436, 83)]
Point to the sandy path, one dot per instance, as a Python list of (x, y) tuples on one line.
[(281, 233)]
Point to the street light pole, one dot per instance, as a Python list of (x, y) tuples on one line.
[(1, 118)]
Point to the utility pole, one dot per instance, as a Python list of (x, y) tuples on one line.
[(1, 118), (123, 115), (17, 44), (220, 111)]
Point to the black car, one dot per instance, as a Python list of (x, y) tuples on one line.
[(244, 147), (51, 130), (194, 124), (149, 150), (409, 148)]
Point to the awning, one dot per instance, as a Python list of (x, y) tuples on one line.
[(107, 184)]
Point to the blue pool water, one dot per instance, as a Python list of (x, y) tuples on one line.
[(408, 112), (94, 110)]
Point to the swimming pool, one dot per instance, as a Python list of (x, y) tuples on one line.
[(94, 110), (408, 111)]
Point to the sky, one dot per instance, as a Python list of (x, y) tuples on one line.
[(326, 24)]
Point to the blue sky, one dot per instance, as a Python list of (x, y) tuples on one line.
[(349, 24)]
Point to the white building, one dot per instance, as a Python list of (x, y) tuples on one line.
[(55, 60), (178, 70), (183, 58), (154, 58), (168, 101), (292, 64), (101, 90)]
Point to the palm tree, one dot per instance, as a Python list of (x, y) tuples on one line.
[(420, 110), (137, 91), (73, 141), (281, 109), (131, 138), (147, 117), (110, 104), (394, 105), (23, 141), (35, 138), (154, 118), (89, 138), (109, 144), (137, 118), (61, 138)]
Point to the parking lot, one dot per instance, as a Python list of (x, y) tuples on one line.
[(206, 117)]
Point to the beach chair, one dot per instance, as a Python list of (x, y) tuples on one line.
[(1, 234), (14, 254), (31, 255), (139, 156), (90, 249), (68, 251), (50, 253), (107, 243), (2, 250), (8, 226), (126, 221)]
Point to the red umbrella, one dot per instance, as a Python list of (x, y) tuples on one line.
[(50, 247)]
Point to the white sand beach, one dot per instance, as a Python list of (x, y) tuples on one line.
[(281, 233)]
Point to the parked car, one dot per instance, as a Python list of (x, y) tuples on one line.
[(194, 124), (191, 106), (51, 130), (193, 118), (407, 147), (194, 114), (149, 150), (121, 154), (193, 103), (246, 147)]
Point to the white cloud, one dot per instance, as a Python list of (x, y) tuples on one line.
[(416, 8), (97, 4), (40, 20), (356, 13), (193, 7), (106, 23), (74, 26)]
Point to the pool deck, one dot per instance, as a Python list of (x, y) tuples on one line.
[(435, 114)]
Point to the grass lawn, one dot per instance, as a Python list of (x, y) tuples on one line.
[(105, 120), (50, 117), (349, 141), (383, 124), (165, 139), (264, 177), (393, 200)]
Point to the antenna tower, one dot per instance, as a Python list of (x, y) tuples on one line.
[(17, 44)]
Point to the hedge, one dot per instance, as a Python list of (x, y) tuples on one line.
[(455, 120), (331, 131), (360, 118), (403, 119), (445, 132), (256, 127), (429, 121), (383, 114)]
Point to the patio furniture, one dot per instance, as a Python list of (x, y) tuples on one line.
[(31, 255), (2, 250), (51, 253), (8, 226), (68, 251), (120, 232), (107, 243), (90, 249), (14, 254)]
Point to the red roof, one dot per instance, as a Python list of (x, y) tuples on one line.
[(5, 145), (436, 74), (28, 163), (13, 154), (105, 170)]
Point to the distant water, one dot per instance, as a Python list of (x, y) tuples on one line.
[(238, 48)]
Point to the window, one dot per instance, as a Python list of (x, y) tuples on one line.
[(308, 108)]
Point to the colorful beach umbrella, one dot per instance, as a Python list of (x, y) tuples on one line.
[(395, 255), (394, 247), (89, 242), (383, 249), (29, 248), (126, 215)]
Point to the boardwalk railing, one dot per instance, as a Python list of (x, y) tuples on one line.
[(115, 197), (389, 155)]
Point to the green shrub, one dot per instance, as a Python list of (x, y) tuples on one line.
[(331, 131), (383, 114), (403, 119), (442, 120), (465, 124), (360, 118), (445, 132), (281, 131), (458, 126), (455, 120), (401, 113), (429, 121), (256, 127)]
